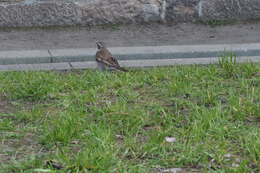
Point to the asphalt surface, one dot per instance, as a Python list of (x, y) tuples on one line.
[(127, 36)]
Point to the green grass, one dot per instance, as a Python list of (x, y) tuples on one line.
[(91, 121)]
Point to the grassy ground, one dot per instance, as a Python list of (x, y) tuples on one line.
[(90, 121)]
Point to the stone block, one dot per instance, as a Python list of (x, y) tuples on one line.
[(229, 9), (181, 10)]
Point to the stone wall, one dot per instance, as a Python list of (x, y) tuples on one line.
[(15, 13), (230, 9)]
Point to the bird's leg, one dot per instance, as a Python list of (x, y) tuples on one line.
[(101, 66)]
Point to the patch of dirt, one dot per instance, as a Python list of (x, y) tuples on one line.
[(175, 170), (18, 148), (253, 121), (5, 106), (15, 145)]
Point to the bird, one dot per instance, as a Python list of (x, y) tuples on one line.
[(105, 59)]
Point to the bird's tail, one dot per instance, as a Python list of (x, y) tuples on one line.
[(122, 69)]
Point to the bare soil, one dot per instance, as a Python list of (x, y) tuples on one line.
[(5, 106)]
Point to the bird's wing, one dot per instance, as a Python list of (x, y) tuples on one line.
[(106, 58), (113, 61)]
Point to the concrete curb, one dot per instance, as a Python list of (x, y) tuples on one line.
[(124, 63), (128, 56)]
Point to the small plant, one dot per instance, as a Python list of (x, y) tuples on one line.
[(214, 23), (228, 62), (248, 69)]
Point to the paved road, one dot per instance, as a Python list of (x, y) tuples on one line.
[(131, 35)]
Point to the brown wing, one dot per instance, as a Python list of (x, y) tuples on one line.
[(104, 56), (113, 61)]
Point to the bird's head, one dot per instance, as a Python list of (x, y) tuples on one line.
[(100, 44)]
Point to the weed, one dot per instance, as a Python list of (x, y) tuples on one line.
[(214, 23), (228, 63)]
